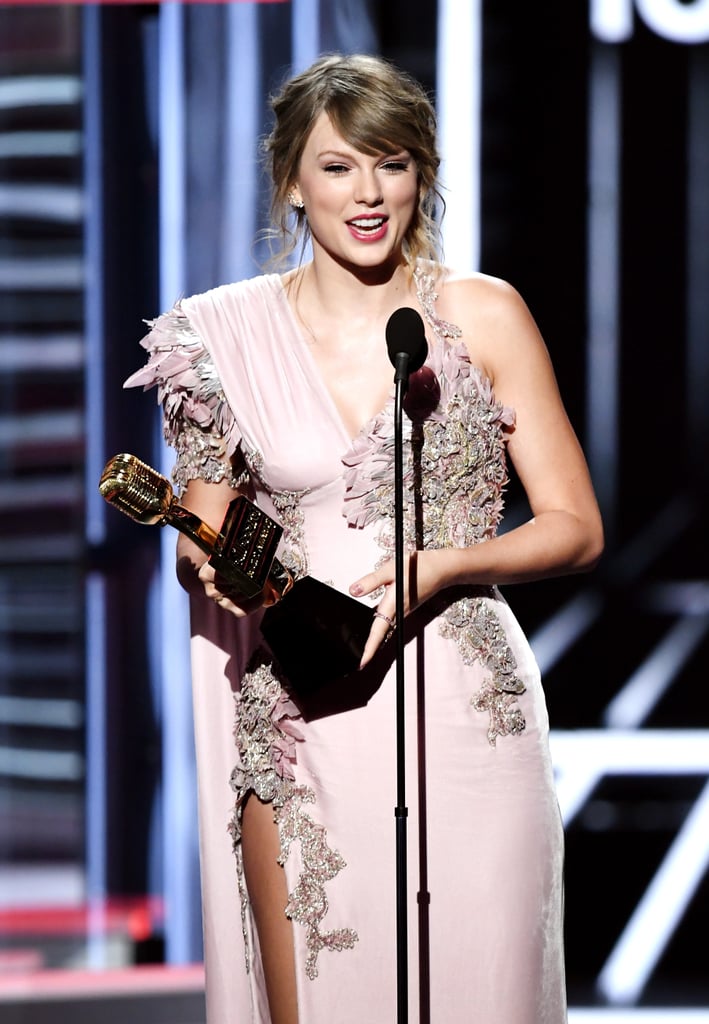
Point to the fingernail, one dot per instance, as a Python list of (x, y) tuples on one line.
[(356, 589)]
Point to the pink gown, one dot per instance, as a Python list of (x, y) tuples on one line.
[(243, 399)]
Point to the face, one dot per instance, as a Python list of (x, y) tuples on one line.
[(359, 207)]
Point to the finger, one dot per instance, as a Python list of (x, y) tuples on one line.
[(206, 573), (361, 587), (381, 631), (373, 580), (227, 604), (218, 590), (236, 604)]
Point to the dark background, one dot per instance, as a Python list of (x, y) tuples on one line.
[(537, 66)]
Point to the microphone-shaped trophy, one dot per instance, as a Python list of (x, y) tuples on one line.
[(316, 633)]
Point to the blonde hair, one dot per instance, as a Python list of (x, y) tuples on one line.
[(375, 107)]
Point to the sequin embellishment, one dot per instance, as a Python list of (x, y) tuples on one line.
[(477, 630), (454, 478), (307, 904), (197, 420), (426, 290), (266, 736)]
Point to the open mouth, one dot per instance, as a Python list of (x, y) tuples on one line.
[(367, 225)]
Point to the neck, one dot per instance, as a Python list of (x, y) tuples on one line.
[(337, 290)]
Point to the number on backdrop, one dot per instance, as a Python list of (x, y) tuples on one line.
[(612, 20)]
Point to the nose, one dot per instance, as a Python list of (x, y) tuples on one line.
[(367, 189)]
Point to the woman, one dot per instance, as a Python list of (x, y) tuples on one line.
[(281, 387)]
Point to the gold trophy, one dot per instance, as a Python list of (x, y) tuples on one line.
[(316, 633)]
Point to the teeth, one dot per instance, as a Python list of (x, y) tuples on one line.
[(368, 223)]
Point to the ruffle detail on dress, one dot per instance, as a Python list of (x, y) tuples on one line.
[(466, 401), (197, 420), (266, 737)]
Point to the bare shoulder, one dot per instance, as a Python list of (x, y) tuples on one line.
[(474, 298), (496, 323)]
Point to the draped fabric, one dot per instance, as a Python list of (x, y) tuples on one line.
[(485, 832), (216, 65)]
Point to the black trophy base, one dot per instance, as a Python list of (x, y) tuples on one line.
[(317, 634)]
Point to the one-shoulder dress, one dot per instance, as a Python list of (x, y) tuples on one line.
[(243, 400)]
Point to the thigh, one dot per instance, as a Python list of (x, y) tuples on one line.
[(268, 895)]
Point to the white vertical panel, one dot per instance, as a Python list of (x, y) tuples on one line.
[(603, 354), (93, 262), (170, 614), (96, 770), (95, 591), (305, 28), (458, 96), (172, 141), (242, 129)]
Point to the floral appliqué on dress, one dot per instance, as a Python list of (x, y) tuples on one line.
[(455, 471), (197, 420), (455, 474), (199, 424), (266, 737)]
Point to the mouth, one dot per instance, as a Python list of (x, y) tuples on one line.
[(372, 226)]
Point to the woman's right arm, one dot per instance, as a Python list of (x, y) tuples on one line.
[(209, 501)]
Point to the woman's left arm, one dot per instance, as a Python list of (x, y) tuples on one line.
[(565, 533)]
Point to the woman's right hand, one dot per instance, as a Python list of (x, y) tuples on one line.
[(224, 594), (209, 501)]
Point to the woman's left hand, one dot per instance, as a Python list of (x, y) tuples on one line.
[(424, 576)]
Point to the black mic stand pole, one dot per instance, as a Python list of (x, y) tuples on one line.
[(401, 378)]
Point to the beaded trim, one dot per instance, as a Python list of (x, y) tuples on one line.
[(266, 734), (480, 637)]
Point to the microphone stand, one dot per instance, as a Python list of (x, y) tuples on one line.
[(401, 380)]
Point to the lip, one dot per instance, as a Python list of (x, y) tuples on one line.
[(368, 236)]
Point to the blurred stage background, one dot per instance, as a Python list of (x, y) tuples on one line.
[(576, 149)]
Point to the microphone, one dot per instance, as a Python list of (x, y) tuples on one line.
[(243, 551), (406, 342)]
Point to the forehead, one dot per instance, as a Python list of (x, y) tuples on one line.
[(324, 136)]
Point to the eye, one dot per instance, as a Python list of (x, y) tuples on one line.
[(335, 168), (395, 166)]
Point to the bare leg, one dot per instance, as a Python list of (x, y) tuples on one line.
[(268, 894)]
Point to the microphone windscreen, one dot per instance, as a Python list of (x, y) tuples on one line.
[(405, 333)]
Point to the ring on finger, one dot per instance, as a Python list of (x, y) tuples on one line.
[(386, 618)]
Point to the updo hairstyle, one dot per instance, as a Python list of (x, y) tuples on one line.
[(376, 108)]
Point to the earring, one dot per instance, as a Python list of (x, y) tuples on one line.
[(298, 204)]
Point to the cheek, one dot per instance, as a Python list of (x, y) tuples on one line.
[(325, 201), (411, 205), (410, 197)]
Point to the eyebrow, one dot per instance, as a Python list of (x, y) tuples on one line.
[(334, 152), (341, 155)]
